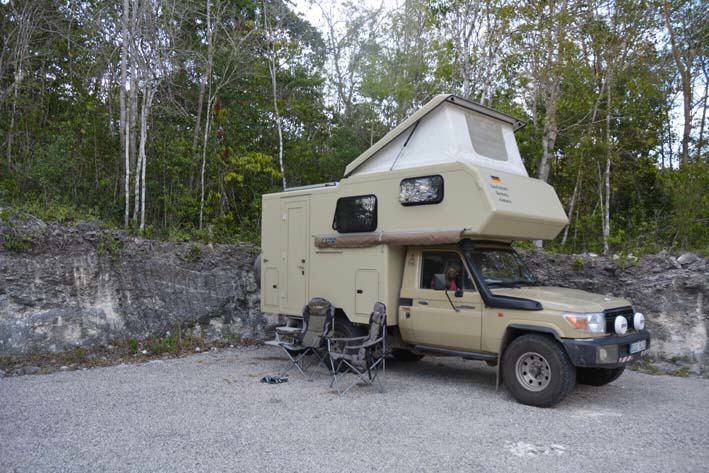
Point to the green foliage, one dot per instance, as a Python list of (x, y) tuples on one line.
[(578, 264), (132, 344), (109, 246), (62, 158), (16, 242), (193, 253), (682, 372)]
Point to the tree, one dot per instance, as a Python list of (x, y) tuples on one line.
[(687, 37)]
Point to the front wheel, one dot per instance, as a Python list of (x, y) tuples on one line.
[(537, 371), (598, 376)]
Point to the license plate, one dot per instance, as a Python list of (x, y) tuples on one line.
[(637, 346)]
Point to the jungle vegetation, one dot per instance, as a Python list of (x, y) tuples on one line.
[(172, 117)]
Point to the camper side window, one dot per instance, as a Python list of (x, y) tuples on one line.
[(486, 137), (421, 190), (356, 214)]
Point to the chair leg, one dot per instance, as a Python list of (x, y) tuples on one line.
[(296, 362), (321, 362)]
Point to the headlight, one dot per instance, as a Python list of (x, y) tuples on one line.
[(593, 323), (639, 321), (620, 325)]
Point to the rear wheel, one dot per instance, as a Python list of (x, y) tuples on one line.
[(537, 371), (405, 355), (598, 376), (344, 329)]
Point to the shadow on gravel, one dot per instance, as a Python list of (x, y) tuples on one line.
[(436, 369)]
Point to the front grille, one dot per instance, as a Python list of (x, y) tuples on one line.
[(611, 314)]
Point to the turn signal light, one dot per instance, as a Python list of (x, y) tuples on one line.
[(579, 322), (588, 322)]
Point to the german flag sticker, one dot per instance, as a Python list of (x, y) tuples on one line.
[(496, 179)]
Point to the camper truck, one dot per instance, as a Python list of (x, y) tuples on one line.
[(423, 222)]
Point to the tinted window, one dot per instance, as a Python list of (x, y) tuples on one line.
[(356, 214), (421, 190), (447, 263)]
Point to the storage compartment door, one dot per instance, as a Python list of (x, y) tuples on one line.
[(270, 287), (366, 290)]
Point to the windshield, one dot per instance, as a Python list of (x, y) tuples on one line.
[(502, 267)]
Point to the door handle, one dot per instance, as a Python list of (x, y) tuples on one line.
[(423, 302), (462, 306)]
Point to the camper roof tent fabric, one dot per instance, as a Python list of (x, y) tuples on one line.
[(451, 130)]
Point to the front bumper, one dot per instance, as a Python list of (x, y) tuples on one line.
[(605, 352)]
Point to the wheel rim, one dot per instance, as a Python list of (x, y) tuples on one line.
[(533, 372)]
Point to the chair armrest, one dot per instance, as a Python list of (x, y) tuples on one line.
[(350, 339), (365, 345), (287, 329)]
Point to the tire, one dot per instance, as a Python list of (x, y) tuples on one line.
[(405, 355), (553, 376), (257, 270), (598, 376), (345, 329)]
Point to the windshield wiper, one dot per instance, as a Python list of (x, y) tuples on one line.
[(513, 284)]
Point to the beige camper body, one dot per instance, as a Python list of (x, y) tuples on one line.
[(422, 222), (303, 257)]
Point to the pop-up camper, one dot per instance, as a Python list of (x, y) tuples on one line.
[(436, 202)]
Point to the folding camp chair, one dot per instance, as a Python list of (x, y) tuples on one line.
[(309, 338), (360, 357)]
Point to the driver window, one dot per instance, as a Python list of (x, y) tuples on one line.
[(447, 263)]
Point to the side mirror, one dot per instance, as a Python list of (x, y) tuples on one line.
[(459, 292), (439, 282)]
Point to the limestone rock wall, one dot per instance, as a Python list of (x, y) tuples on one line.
[(68, 286)]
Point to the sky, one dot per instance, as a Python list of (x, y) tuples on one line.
[(310, 10)]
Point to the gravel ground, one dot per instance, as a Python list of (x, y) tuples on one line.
[(209, 412)]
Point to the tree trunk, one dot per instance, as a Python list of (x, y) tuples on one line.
[(210, 101), (144, 117), (126, 186), (11, 128), (139, 164), (607, 175), (123, 113), (204, 160), (465, 68), (685, 74), (700, 139), (133, 92), (273, 69), (572, 204), (198, 124)]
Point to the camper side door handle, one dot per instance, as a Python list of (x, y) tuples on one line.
[(423, 302)]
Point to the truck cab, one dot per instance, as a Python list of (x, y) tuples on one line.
[(443, 311)]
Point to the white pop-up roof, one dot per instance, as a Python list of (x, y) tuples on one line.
[(446, 129)]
